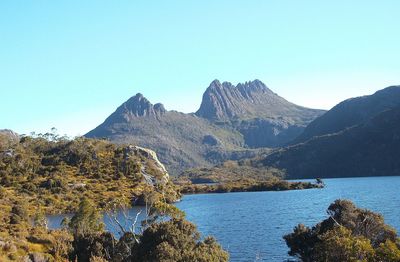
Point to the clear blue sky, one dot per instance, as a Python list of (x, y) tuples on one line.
[(69, 64)]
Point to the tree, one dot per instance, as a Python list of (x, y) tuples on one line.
[(40, 220), (177, 240), (18, 214), (388, 252), (87, 220), (348, 234), (340, 245)]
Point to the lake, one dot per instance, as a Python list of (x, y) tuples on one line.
[(251, 225)]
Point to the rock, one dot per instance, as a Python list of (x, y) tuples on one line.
[(139, 106), (8, 153), (210, 140), (159, 108), (10, 135), (150, 155), (35, 257), (76, 185), (7, 246)]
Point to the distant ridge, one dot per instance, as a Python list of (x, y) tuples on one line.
[(352, 112), (358, 137)]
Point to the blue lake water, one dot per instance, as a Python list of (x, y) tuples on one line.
[(251, 225)]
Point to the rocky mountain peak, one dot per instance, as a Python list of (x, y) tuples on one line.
[(159, 108), (252, 98), (140, 106), (255, 86), (215, 84)]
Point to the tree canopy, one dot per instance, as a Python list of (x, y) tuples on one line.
[(348, 234)]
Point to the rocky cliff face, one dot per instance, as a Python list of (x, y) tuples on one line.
[(9, 134), (134, 107), (151, 156), (261, 116), (248, 100)]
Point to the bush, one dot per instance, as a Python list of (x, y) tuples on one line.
[(18, 214), (349, 234), (177, 240), (87, 220)]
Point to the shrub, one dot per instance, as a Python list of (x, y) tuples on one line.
[(349, 234), (18, 214), (177, 240)]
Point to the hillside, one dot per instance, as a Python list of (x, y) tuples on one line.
[(368, 149), (181, 140), (351, 112), (56, 174), (233, 122)]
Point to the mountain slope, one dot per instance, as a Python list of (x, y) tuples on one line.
[(261, 116), (368, 149), (351, 112), (233, 122), (181, 140)]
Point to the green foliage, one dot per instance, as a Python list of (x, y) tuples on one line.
[(40, 220), (247, 185), (340, 245), (240, 176), (388, 252), (369, 148), (55, 172), (18, 214), (229, 171), (349, 234), (177, 240), (47, 174), (87, 220)]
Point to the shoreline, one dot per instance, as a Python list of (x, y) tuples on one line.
[(246, 186)]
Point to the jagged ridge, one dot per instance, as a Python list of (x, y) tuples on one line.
[(252, 99)]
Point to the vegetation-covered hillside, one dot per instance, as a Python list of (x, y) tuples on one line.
[(368, 149), (352, 112), (55, 173), (48, 174)]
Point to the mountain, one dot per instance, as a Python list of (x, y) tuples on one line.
[(233, 122), (351, 112), (261, 116), (224, 102), (181, 140), (369, 148)]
